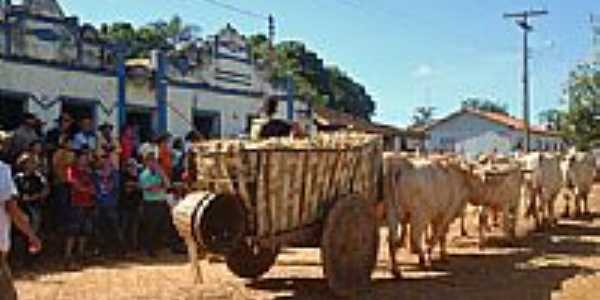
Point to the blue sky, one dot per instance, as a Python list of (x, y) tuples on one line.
[(406, 53)]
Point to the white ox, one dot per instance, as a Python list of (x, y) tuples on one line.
[(422, 192), (579, 170), (544, 182), (499, 189)]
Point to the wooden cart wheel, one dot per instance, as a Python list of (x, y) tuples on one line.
[(243, 262), (350, 245)]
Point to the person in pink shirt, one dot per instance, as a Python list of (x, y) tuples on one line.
[(127, 142)]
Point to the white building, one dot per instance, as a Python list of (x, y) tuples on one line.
[(51, 63), (488, 142), (466, 131)]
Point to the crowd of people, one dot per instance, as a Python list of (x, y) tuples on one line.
[(100, 194), (93, 193)]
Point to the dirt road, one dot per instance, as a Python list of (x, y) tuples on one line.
[(563, 263)]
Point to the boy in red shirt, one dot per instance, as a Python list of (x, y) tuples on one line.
[(83, 191)]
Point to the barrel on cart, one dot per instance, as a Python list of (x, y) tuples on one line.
[(254, 197)]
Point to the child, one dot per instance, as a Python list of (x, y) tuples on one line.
[(82, 205), (33, 190), (130, 204), (106, 180), (154, 183)]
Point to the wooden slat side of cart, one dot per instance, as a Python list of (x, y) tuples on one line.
[(289, 189), (286, 184)]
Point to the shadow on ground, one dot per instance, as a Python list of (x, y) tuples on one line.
[(44, 265), (474, 276)]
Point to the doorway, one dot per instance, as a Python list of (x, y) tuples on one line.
[(79, 109), (142, 119), (11, 110), (208, 123)]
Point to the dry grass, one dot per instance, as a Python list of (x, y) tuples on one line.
[(560, 264)]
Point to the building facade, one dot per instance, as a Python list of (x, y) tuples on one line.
[(465, 130), (50, 63)]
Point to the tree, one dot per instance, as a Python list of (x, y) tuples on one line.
[(156, 35), (423, 115), (583, 115), (552, 118), (313, 81), (485, 105)]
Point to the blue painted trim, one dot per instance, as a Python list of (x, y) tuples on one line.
[(161, 93), (225, 45), (69, 21), (7, 39), (57, 65), (121, 90), (233, 80), (290, 98), (205, 112), (234, 58), (216, 89), (84, 100), (44, 34), (233, 74)]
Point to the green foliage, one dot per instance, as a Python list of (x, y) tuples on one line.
[(485, 105), (552, 118), (423, 115), (313, 81), (156, 35), (582, 119)]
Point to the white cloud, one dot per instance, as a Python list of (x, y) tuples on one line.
[(423, 71)]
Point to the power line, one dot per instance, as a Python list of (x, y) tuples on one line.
[(238, 10)]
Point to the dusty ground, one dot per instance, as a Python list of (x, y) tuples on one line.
[(563, 263)]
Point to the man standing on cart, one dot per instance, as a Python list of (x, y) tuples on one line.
[(271, 126)]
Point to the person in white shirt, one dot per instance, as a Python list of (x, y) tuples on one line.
[(11, 213)]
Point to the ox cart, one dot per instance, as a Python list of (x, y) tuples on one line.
[(251, 198)]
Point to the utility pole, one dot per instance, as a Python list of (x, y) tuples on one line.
[(271, 30), (522, 19)]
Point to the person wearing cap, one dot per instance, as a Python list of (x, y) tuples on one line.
[(23, 136), (11, 213)]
